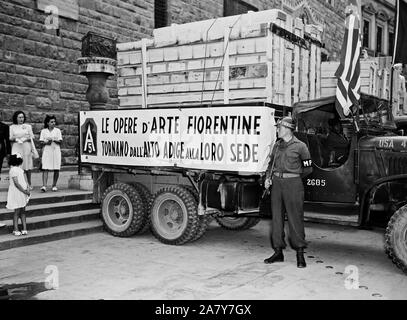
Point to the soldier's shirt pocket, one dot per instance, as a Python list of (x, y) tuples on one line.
[(292, 161)]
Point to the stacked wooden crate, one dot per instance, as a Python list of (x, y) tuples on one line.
[(375, 80), (231, 59), (368, 74)]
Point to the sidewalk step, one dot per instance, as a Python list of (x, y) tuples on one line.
[(51, 209), (50, 234), (49, 221), (38, 197)]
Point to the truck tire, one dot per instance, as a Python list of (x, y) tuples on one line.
[(396, 238), (123, 211), (204, 220), (147, 198), (174, 215), (231, 223)]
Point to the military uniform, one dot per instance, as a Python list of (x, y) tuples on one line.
[(289, 162)]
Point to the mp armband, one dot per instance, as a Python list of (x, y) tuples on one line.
[(307, 163)]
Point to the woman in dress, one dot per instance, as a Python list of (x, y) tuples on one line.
[(51, 139), (21, 137)]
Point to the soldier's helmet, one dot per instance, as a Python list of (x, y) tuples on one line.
[(287, 122)]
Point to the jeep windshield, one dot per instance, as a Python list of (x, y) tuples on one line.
[(328, 133), (374, 112)]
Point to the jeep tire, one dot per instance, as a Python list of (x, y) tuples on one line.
[(396, 238)]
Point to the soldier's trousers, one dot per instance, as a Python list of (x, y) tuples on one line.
[(1, 162), (287, 196)]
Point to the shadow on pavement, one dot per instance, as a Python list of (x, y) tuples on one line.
[(21, 291)]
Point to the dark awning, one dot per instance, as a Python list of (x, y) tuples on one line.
[(324, 104), (369, 104)]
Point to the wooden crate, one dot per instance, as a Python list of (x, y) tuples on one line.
[(368, 71), (226, 60), (375, 80)]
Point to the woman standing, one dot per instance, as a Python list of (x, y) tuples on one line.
[(51, 138), (21, 137)]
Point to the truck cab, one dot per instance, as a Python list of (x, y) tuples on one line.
[(351, 161)]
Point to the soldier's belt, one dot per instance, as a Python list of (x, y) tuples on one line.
[(286, 174)]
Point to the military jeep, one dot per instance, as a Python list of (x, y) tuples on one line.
[(360, 168)]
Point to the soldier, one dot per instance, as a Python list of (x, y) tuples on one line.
[(290, 161)]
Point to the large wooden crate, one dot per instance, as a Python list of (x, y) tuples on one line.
[(368, 72), (375, 80), (240, 58)]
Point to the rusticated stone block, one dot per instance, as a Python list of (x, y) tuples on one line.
[(36, 117), (37, 127), (67, 153), (71, 141), (43, 103), (70, 118)]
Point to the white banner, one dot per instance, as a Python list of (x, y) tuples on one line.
[(229, 138)]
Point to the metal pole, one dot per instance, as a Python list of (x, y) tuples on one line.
[(391, 88)]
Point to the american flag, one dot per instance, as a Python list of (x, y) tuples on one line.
[(348, 73), (400, 45)]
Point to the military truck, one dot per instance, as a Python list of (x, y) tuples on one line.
[(170, 159), (364, 179)]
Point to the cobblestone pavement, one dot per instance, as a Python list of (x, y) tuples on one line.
[(222, 265)]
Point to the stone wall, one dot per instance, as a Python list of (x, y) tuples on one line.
[(183, 11), (38, 69)]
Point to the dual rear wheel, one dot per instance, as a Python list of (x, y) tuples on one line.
[(171, 214)]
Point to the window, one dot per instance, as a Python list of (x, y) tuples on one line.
[(391, 43), (234, 7), (160, 13), (379, 39), (366, 26), (325, 136)]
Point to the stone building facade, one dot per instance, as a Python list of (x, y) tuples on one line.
[(40, 41)]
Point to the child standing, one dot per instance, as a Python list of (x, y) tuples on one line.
[(18, 193)]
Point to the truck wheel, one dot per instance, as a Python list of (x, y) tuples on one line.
[(174, 215), (231, 223), (123, 210), (396, 238), (147, 198), (204, 220)]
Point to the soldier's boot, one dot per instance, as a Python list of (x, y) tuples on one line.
[(276, 257), (300, 259)]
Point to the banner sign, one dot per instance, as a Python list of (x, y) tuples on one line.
[(227, 138)]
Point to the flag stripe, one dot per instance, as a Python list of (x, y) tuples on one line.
[(400, 43), (397, 30), (348, 72)]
